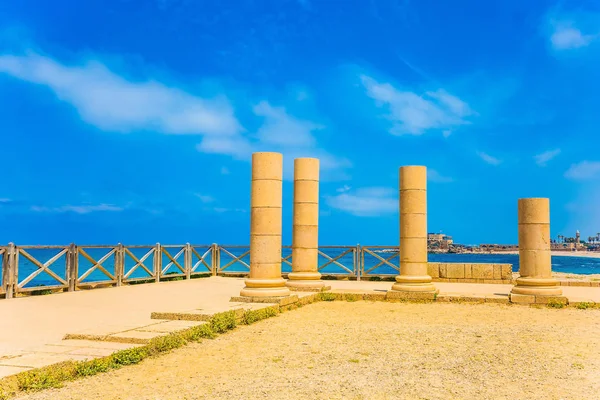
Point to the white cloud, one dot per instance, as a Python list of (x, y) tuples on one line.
[(280, 132), (205, 198), (282, 129), (543, 158), (583, 170), (415, 114), (343, 189), (447, 133), (565, 37), (111, 102), (434, 176), (366, 202), (238, 147), (489, 159), (82, 209)]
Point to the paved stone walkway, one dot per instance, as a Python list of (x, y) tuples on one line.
[(43, 330)]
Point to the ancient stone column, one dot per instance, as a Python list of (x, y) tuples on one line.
[(265, 228), (305, 241), (413, 232), (535, 264)]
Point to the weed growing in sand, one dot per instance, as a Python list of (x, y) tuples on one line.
[(52, 376), (583, 305), (354, 360), (352, 297), (556, 304), (197, 333), (324, 296), (577, 366), (252, 316), (93, 367), (223, 322)]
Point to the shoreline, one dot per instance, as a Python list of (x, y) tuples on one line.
[(582, 254)]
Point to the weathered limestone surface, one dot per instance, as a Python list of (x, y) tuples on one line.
[(470, 273), (534, 253), (265, 228), (305, 231), (413, 232)]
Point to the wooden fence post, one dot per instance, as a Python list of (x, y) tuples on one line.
[(157, 262), (359, 262), (4, 264), (9, 270), (119, 264), (72, 267), (187, 261), (215, 259)]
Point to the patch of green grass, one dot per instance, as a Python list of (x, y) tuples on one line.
[(200, 332), (252, 316), (325, 296), (130, 356), (41, 292), (163, 344), (93, 367), (352, 297), (174, 278), (277, 359), (223, 322), (52, 376), (354, 360), (583, 305), (577, 366), (556, 304)]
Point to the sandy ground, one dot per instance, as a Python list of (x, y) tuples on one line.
[(366, 350)]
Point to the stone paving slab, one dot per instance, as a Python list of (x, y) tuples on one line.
[(170, 326), (94, 344), (38, 320), (37, 360), (6, 370)]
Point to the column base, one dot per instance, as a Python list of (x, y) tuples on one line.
[(306, 282), (280, 300), (410, 283), (307, 286), (537, 287), (537, 299), (265, 288)]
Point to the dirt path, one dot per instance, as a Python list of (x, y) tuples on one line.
[(367, 350)]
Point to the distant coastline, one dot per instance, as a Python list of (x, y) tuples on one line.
[(588, 254)]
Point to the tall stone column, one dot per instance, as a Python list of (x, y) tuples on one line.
[(265, 228), (535, 284), (413, 276), (305, 241)]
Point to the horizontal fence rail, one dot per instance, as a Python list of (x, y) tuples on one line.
[(44, 269)]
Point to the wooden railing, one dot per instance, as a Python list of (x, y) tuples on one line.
[(30, 269), (335, 260)]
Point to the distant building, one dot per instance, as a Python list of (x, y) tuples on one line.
[(439, 241), (569, 243)]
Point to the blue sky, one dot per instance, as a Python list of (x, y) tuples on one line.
[(133, 121)]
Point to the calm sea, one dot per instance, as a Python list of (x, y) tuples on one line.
[(577, 265)]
